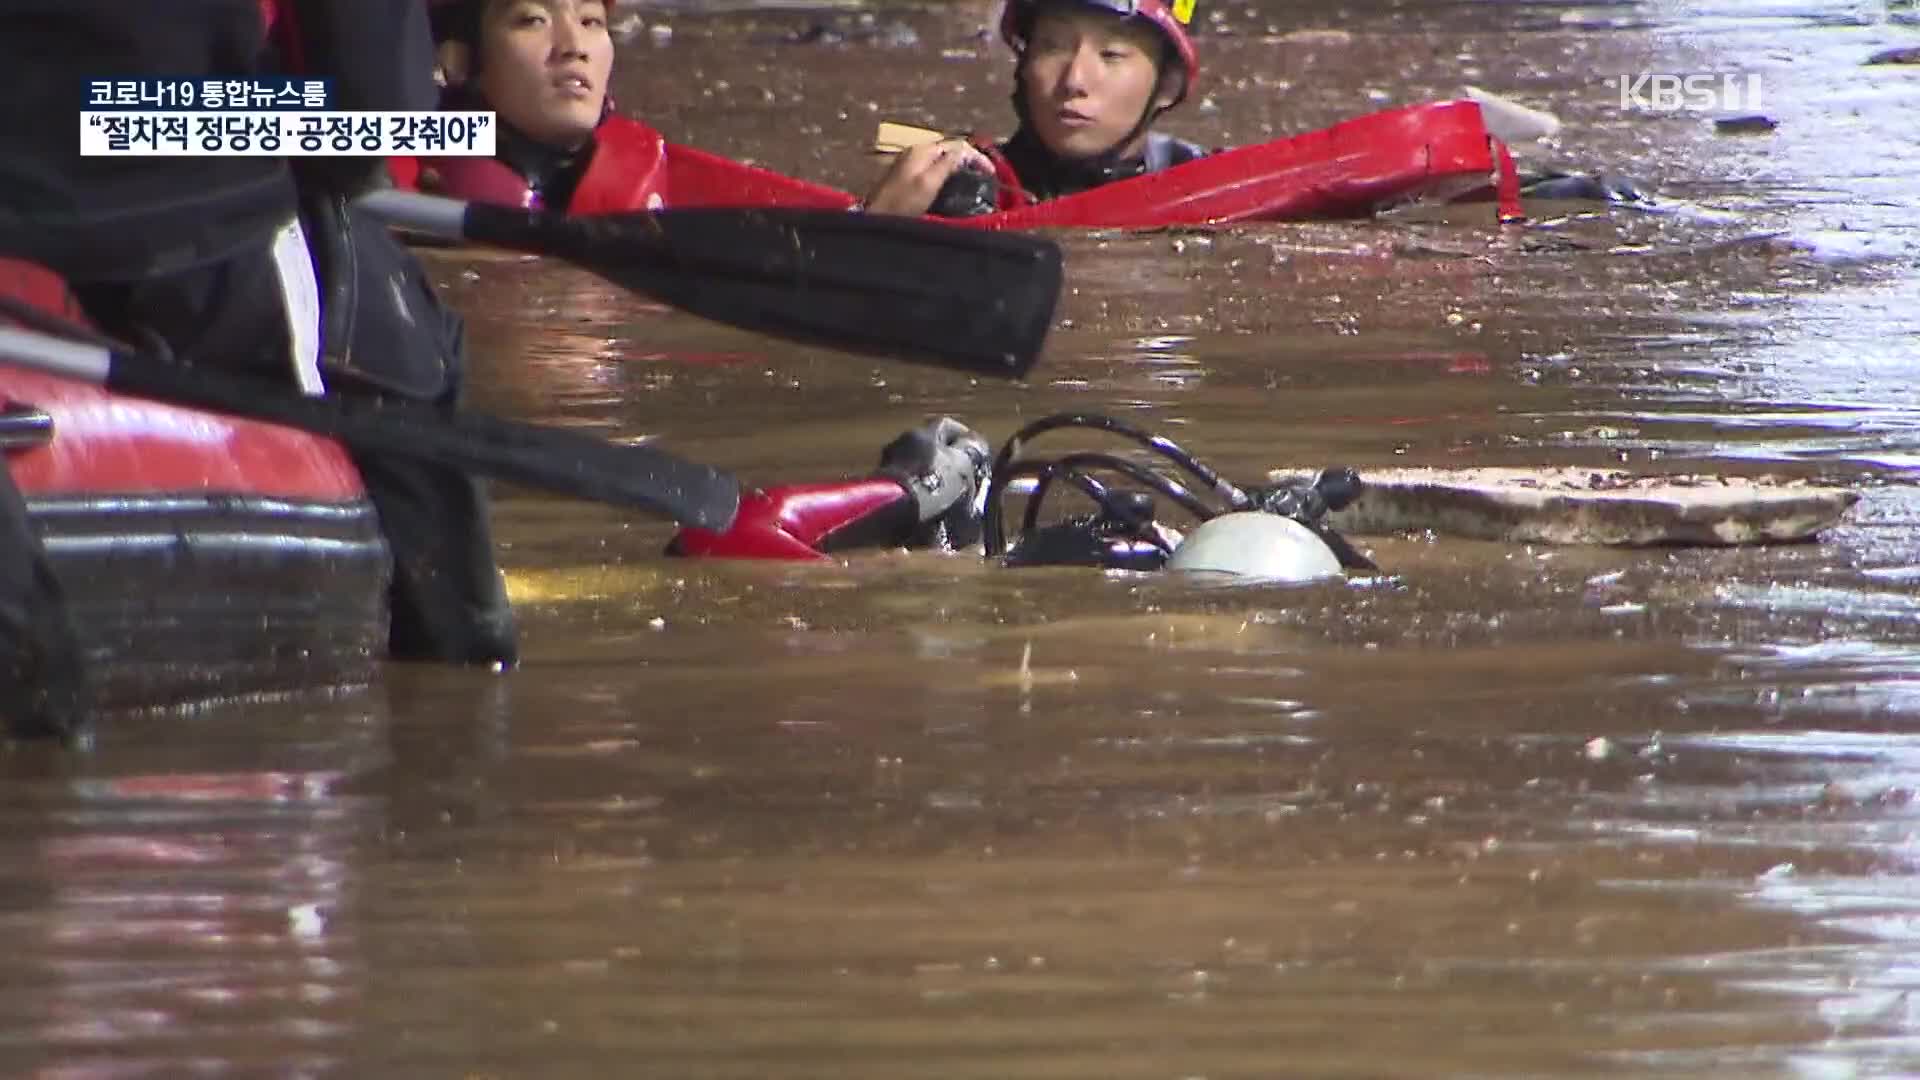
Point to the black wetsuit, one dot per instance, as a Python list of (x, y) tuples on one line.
[(552, 174), (1045, 175), (178, 250)]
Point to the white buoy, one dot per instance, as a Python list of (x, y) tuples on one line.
[(1254, 544)]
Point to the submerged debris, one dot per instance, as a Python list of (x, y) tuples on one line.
[(1745, 125), (1908, 55)]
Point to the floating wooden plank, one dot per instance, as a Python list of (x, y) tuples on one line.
[(1589, 506), (892, 138)]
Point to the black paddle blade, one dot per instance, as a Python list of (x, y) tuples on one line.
[(552, 459), (969, 299)]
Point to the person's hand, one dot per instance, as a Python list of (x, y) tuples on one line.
[(909, 187), (943, 465)]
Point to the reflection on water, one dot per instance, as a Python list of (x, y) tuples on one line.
[(185, 909), (1498, 811)]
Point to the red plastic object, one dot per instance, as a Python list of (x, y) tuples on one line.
[(786, 522)]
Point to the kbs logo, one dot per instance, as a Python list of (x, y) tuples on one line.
[(1650, 92)]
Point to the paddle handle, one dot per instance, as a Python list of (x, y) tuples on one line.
[(430, 214)]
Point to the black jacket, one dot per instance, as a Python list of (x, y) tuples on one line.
[(129, 218), (1048, 177)]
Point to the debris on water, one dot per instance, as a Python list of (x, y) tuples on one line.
[(1777, 871), (627, 28), (865, 31), (1745, 125), (1907, 55), (306, 922), (660, 33), (1599, 748), (1314, 37)]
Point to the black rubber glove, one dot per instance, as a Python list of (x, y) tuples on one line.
[(966, 194), (943, 465)]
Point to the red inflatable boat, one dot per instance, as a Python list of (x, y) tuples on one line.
[(204, 555)]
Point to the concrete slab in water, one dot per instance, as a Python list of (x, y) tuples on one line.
[(1588, 506)]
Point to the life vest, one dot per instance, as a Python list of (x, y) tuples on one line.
[(627, 171), (283, 34)]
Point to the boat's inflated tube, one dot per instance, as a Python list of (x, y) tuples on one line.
[(1256, 544)]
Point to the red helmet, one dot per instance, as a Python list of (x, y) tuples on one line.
[(1171, 19)]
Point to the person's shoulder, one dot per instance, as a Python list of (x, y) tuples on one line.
[(1166, 151)]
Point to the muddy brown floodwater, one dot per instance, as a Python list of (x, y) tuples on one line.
[(1499, 811)]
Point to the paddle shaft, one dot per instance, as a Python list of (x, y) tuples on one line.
[(552, 459)]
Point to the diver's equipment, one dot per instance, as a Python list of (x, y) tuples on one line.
[(942, 465), (1123, 533)]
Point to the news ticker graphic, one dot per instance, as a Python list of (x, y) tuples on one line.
[(207, 95), (224, 133)]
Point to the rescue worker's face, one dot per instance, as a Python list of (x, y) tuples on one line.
[(545, 65), (1089, 77)]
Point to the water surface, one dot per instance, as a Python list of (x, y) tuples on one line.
[(1501, 810)]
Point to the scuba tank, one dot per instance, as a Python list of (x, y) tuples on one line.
[(1274, 532)]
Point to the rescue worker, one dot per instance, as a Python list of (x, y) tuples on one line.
[(542, 66), (1091, 79)]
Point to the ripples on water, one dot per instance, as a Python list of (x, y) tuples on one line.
[(1501, 810)]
